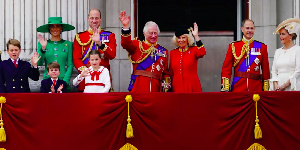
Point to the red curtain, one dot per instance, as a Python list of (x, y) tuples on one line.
[(161, 121)]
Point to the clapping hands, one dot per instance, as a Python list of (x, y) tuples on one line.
[(59, 89)]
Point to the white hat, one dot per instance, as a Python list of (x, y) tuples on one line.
[(292, 25)]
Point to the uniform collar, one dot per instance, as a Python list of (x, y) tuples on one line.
[(14, 60), (91, 30), (247, 41), (183, 50), (54, 79), (149, 44)]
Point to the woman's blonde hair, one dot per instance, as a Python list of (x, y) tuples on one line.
[(189, 36)]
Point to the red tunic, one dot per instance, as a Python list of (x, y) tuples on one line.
[(82, 43), (160, 67), (261, 66), (183, 69)]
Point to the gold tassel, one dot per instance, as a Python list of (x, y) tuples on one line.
[(2, 131), (257, 129), (129, 129), (128, 146), (256, 146)]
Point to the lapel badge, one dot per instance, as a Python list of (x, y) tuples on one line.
[(256, 61), (66, 44), (158, 67), (256, 68)]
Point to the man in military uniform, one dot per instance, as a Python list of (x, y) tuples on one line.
[(93, 39), (149, 59), (250, 61)]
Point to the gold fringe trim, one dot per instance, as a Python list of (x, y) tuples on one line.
[(2, 131), (147, 52), (128, 146), (257, 129), (266, 85), (87, 54), (129, 129), (126, 35), (80, 43), (256, 146), (245, 49), (225, 85)]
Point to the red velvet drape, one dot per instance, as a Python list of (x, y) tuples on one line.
[(161, 121)]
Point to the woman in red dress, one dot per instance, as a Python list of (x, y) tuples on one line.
[(184, 60)]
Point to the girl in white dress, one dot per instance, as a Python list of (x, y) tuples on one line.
[(286, 63), (97, 79)]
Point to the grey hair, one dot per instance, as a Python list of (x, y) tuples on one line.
[(148, 24), (189, 36)]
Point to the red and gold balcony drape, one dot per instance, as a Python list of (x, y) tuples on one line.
[(160, 121)]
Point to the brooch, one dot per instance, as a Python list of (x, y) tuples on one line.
[(256, 61), (158, 67), (256, 68)]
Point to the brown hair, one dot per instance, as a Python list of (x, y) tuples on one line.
[(95, 9), (53, 65), (94, 52), (244, 21), (13, 42), (294, 36)]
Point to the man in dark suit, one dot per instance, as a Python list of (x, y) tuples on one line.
[(14, 72), (53, 84)]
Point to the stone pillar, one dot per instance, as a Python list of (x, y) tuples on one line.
[(263, 13)]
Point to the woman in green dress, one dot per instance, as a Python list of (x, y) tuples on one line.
[(56, 49)]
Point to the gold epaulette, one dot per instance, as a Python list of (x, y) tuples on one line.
[(266, 85), (260, 42), (235, 41), (161, 46)]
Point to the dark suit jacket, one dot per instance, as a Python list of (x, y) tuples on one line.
[(47, 83), (15, 79)]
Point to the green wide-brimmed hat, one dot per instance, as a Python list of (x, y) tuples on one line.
[(55, 20)]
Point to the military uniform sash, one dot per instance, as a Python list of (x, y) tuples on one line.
[(146, 64), (255, 50), (104, 37)]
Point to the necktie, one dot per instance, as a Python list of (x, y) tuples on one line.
[(54, 82), (15, 63)]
